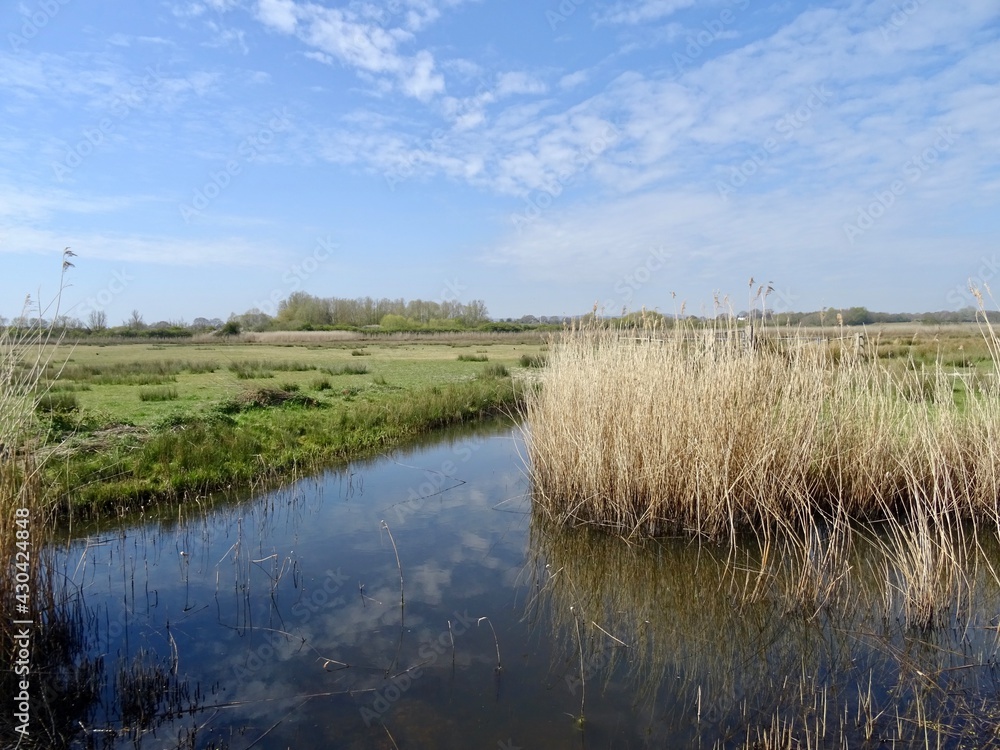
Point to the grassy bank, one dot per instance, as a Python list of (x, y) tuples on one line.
[(793, 439), (130, 424)]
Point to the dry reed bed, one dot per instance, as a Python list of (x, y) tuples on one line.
[(804, 444), (694, 431)]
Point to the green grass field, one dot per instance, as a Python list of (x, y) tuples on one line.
[(205, 376), (133, 423)]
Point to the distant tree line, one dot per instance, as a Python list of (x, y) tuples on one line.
[(861, 316), (302, 311)]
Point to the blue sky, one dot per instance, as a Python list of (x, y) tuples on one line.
[(203, 157)]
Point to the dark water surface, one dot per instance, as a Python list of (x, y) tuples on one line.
[(256, 607)]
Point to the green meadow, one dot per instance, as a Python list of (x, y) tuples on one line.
[(128, 424)]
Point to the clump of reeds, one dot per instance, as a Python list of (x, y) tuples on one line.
[(716, 430), (30, 596)]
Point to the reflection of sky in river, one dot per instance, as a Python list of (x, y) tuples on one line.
[(262, 598)]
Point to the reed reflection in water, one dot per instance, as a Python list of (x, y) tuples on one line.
[(671, 618)]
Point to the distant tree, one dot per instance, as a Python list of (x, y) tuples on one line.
[(135, 321), (475, 312), (302, 308), (857, 316), (230, 328), (65, 321), (201, 323), (97, 321), (395, 322), (253, 320)]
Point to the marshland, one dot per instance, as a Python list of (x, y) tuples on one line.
[(636, 533)]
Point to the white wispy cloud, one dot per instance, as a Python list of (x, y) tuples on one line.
[(641, 11), (358, 38)]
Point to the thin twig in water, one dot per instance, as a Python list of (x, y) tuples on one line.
[(583, 676), (495, 639), (393, 741), (398, 564), (452, 634)]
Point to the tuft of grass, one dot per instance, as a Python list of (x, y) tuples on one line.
[(532, 360), (472, 358), (60, 402), (166, 393), (496, 370), (348, 369), (246, 369), (291, 366), (320, 384), (359, 353), (200, 368)]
